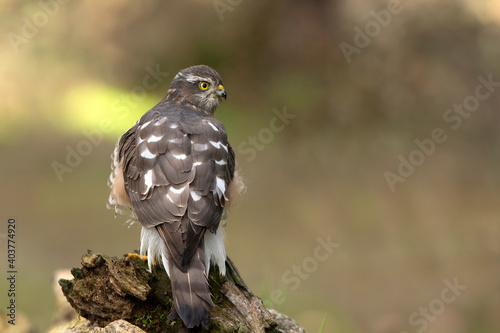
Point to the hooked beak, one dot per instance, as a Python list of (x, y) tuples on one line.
[(221, 92)]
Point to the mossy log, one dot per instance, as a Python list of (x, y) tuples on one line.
[(106, 289)]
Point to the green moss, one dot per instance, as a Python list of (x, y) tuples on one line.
[(148, 296), (66, 285), (155, 320), (77, 273)]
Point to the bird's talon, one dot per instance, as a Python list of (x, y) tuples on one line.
[(138, 256)]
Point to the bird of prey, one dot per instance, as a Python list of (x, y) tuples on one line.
[(174, 171)]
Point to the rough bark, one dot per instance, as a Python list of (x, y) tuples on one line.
[(106, 289)]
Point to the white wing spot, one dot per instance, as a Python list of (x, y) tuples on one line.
[(180, 157), (215, 144), (148, 178), (213, 126), (221, 187), (195, 195), (177, 190), (225, 147), (174, 126), (177, 141), (197, 163), (154, 138), (221, 162), (161, 121), (147, 154), (145, 125), (200, 146)]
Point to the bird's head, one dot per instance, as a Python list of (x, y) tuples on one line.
[(199, 85)]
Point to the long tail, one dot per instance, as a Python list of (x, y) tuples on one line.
[(192, 300)]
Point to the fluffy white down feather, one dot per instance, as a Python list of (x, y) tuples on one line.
[(153, 246)]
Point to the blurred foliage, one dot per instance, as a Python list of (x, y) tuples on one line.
[(287, 53), (322, 175)]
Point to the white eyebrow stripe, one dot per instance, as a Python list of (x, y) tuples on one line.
[(193, 78)]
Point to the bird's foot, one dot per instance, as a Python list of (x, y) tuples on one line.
[(138, 256)]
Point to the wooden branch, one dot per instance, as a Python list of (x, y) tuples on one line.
[(107, 289)]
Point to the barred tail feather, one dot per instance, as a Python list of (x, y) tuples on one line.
[(190, 290)]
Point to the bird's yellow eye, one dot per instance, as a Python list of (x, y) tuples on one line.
[(204, 85)]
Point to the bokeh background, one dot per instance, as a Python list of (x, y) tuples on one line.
[(69, 69)]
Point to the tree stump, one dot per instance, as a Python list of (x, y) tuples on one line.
[(107, 289)]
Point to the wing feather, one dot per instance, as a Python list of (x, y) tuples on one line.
[(177, 167)]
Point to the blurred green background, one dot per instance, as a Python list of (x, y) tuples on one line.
[(72, 69)]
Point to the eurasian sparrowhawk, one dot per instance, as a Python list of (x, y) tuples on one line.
[(175, 171)]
